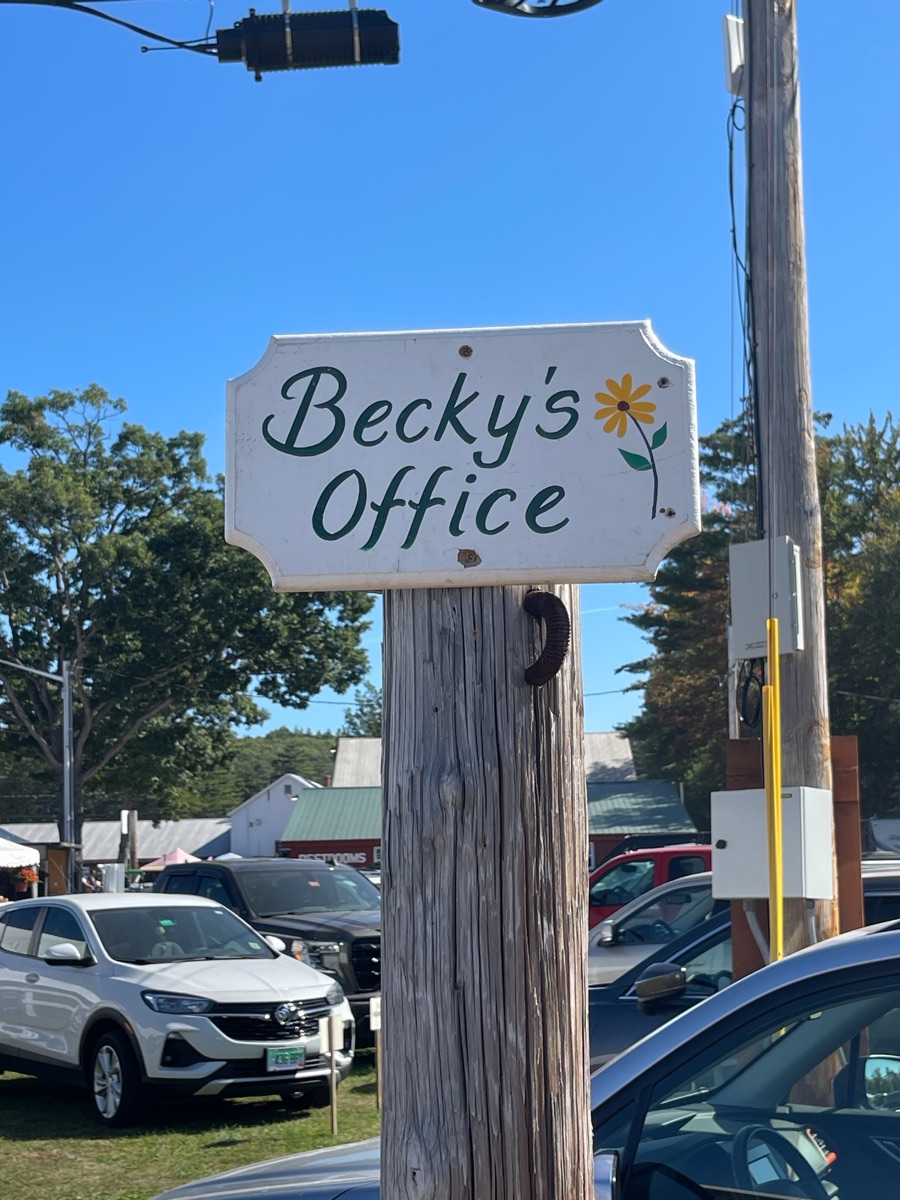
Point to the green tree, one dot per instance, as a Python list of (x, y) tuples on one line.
[(259, 760), (681, 730), (112, 557), (860, 481), (680, 733), (364, 719)]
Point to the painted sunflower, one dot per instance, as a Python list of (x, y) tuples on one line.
[(621, 402)]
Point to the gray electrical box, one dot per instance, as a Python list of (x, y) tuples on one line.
[(764, 586), (740, 856)]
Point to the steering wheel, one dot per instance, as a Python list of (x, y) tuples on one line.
[(662, 930), (807, 1179)]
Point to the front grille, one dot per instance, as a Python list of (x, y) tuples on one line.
[(366, 957), (257, 1023)]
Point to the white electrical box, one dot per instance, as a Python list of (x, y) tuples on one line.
[(764, 586), (733, 36), (740, 855)]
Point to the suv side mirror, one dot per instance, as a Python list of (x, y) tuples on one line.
[(606, 1181), (659, 984), (66, 952), (608, 933)]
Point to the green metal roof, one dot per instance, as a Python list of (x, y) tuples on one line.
[(335, 814), (347, 814), (644, 806)]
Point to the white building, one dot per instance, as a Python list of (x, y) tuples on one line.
[(258, 823), (607, 759)]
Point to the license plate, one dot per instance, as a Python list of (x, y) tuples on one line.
[(286, 1059)]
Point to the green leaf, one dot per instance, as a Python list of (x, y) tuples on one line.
[(659, 437), (636, 461)]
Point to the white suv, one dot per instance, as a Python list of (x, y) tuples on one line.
[(158, 996)]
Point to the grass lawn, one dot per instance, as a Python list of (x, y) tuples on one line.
[(52, 1147)]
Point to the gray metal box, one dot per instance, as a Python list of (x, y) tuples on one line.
[(749, 568), (740, 856)]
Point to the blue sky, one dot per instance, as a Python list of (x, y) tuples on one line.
[(165, 214)]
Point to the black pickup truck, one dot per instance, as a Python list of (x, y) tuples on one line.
[(327, 914)]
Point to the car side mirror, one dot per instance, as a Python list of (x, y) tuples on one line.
[(658, 985), (606, 1177), (882, 1081), (66, 952), (276, 943), (608, 933)]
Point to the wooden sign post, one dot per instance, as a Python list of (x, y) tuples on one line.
[(458, 471)]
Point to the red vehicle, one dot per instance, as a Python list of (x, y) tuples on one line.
[(622, 878)]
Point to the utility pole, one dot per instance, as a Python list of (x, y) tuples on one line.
[(67, 824), (485, 919), (783, 393)]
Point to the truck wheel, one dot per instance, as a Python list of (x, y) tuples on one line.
[(115, 1080)]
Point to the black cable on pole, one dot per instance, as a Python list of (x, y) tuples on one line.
[(72, 6)]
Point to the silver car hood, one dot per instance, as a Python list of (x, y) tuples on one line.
[(350, 1171)]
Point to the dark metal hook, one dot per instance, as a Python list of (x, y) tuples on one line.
[(550, 609)]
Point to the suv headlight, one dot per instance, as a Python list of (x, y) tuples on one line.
[(176, 1005), (335, 996), (324, 956)]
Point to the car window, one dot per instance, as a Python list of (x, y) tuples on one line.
[(623, 883), (710, 970), (16, 930), (686, 864), (60, 926), (180, 885), (214, 889), (882, 906), (272, 890), (180, 931), (667, 916), (777, 1090)]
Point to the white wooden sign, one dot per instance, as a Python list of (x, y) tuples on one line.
[(375, 1013), (457, 458)]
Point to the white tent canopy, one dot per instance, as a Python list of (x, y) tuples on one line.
[(12, 855)]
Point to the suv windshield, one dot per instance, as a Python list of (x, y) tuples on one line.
[(183, 931), (324, 888)]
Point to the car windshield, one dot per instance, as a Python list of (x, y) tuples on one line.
[(668, 915), (795, 1056), (273, 891), (182, 932), (798, 1096)]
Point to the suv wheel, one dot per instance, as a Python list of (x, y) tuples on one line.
[(115, 1080)]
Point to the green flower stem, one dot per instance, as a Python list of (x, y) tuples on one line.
[(652, 458)]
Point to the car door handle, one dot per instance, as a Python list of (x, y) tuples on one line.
[(31, 977)]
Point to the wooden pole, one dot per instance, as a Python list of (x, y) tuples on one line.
[(485, 904), (781, 375)]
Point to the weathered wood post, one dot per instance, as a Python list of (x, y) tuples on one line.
[(484, 855), (455, 470), (783, 391)]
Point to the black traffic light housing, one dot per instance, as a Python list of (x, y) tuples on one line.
[(292, 41)]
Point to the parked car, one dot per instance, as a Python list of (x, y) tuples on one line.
[(699, 963), (683, 972), (142, 996), (327, 914), (785, 1084), (636, 931), (622, 878)]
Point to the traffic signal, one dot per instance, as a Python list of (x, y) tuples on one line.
[(291, 41)]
